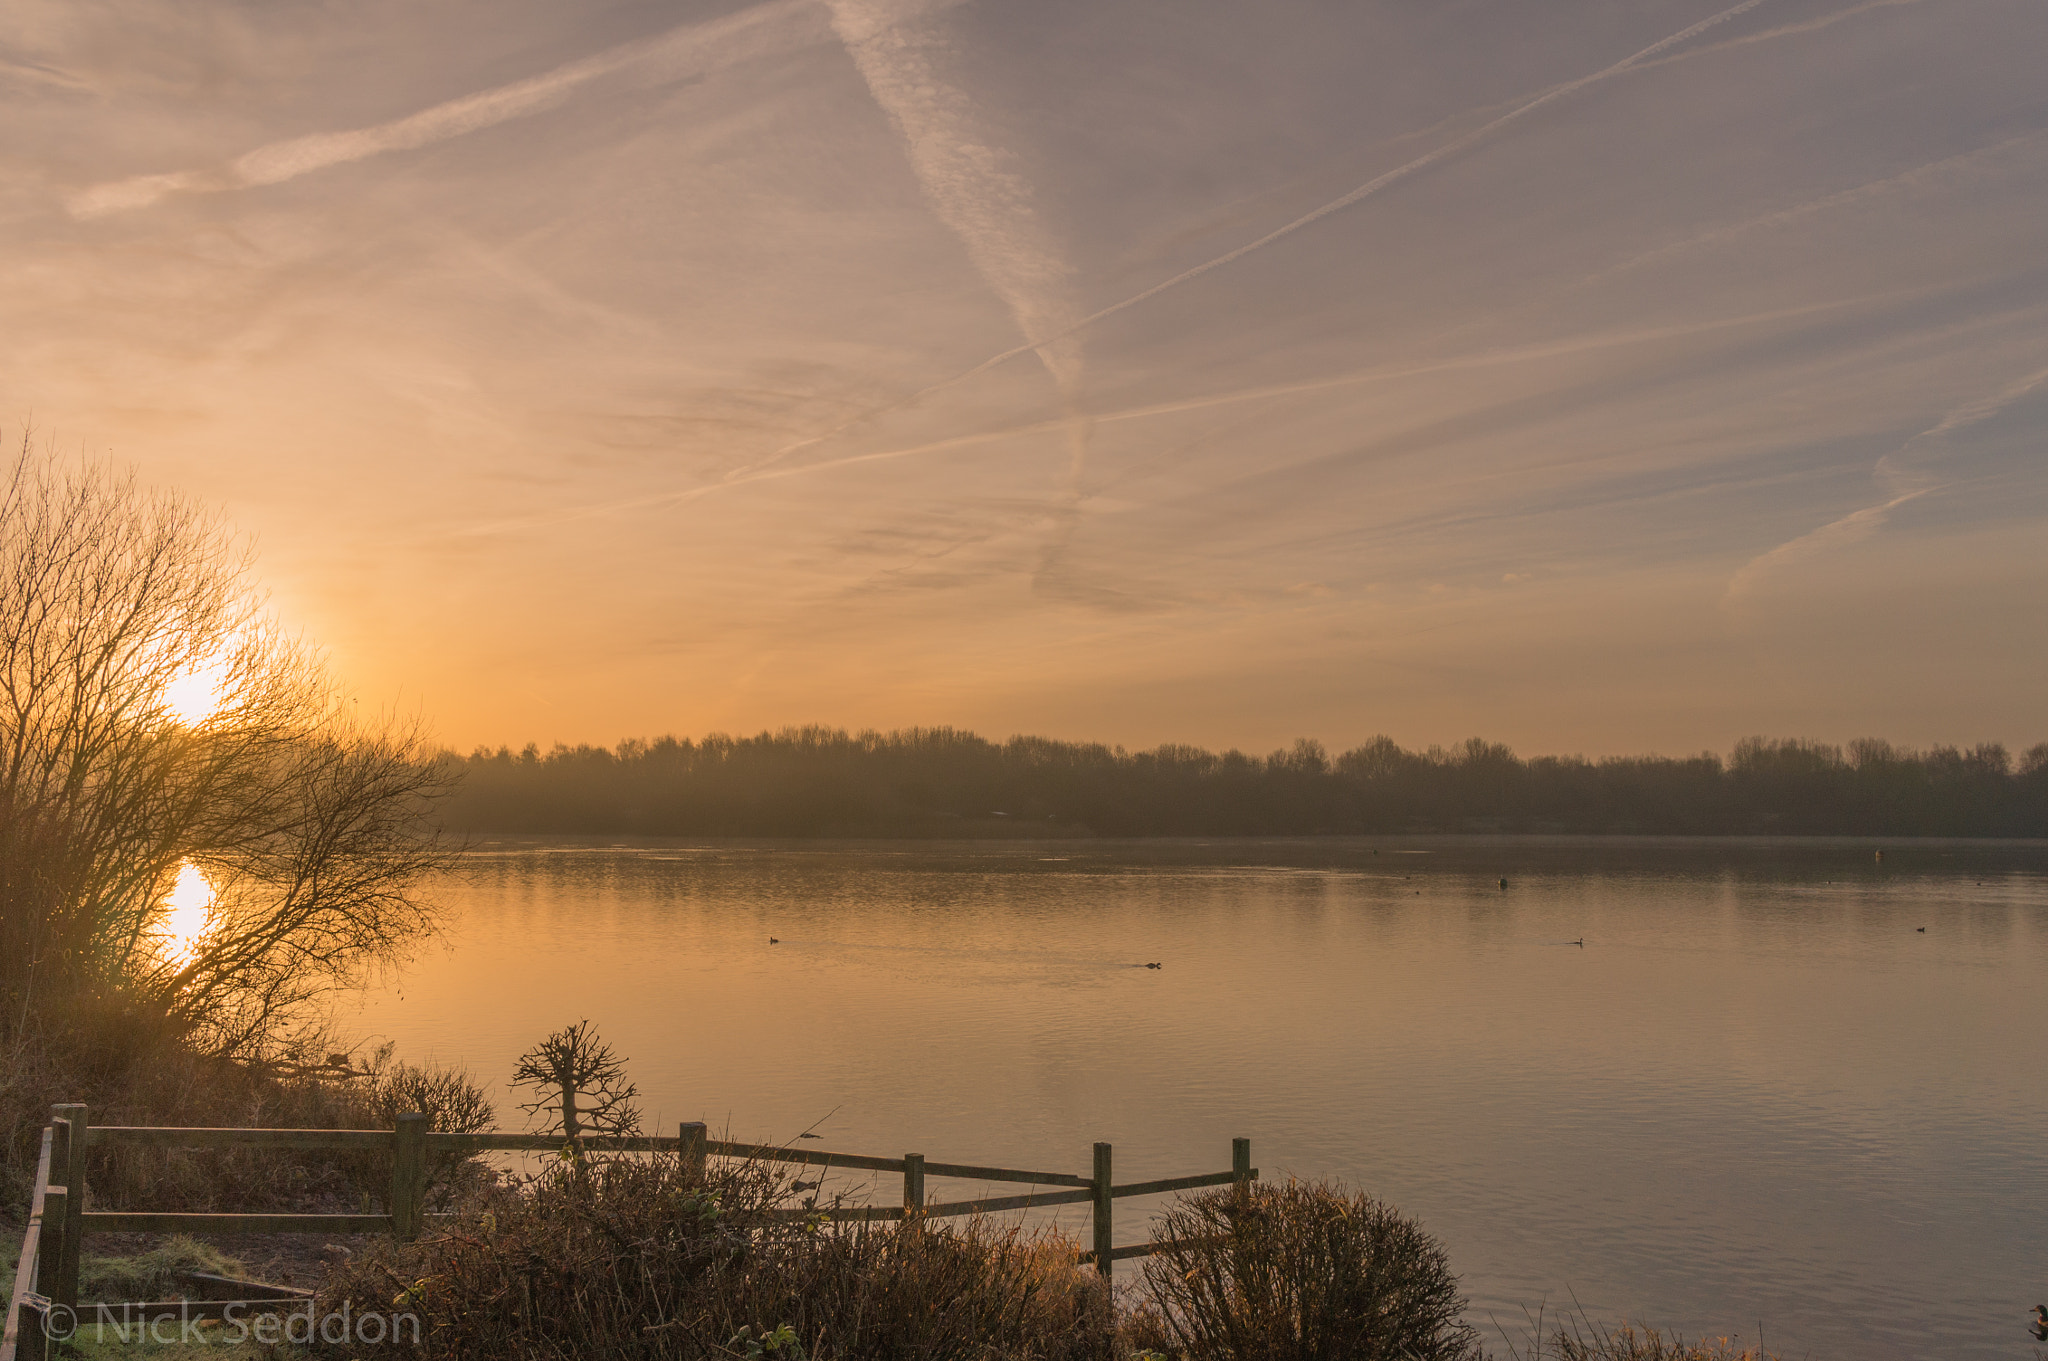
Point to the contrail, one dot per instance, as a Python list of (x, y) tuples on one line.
[(968, 182), (1363, 191), (689, 45), (1840, 533), (984, 203), (1906, 484), (1790, 30), (1909, 178)]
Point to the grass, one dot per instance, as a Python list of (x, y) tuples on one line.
[(149, 1275), (154, 1274)]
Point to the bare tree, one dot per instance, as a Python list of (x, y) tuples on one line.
[(576, 1076), (153, 716)]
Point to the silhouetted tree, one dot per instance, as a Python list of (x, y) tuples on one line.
[(577, 1077), (943, 782), (152, 715)]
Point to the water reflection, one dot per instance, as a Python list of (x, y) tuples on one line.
[(188, 910), (1757, 1092)]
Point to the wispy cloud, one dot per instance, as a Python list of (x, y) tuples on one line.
[(680, 51), (17, 69), (1633, 338)]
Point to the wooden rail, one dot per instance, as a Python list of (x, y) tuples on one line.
[(47, 1276), (24, 1333)]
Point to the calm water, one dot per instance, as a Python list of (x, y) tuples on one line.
[(1756, 1095)]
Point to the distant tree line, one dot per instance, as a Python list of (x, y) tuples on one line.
[(940, 781)]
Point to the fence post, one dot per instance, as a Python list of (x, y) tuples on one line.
[(31, 1342), (64, 1289), (408, 1175), (1241, 1164), (690, 1144), (49, 1252), (913, 1186), (1103, 1207)]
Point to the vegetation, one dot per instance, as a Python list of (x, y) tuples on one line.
[(650, 1258), (1583, 1341), (647, 1258), (160, 733), (131, 1068), (581, 1084), (1298, 1272), (199, 844), (156, 1274), (939, 782)]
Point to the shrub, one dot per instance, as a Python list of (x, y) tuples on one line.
[(1299, 1272), (618, 1258)]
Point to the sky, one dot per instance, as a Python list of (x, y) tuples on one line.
[(1590, 377)]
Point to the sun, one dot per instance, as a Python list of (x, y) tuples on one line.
[(188, 907), (193, 697)]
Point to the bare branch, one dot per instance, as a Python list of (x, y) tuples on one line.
[(307, 824), (578, 1078)]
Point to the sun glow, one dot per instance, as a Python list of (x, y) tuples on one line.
[(193, 697), (188, 910)]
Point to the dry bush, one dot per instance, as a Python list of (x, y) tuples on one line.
[(1298, 1272), (131, 1067), (622, 1258)]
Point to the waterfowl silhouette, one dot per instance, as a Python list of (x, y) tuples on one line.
[(1155, 966), (1921, 929), (1580, 942), (1503, 883), (808, 1135), (773, 941), (2039, 1327)]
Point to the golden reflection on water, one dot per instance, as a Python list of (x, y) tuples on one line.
[(188, 909)]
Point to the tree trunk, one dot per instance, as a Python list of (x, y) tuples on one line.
[(567, 1078)]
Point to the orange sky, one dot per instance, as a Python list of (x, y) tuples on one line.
[(618, 369)]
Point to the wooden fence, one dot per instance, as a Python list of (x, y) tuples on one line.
[(47, 1277)]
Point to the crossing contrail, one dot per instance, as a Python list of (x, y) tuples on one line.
[(1363, 191), (990, 208)]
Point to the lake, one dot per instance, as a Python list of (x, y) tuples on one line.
[(1758, 1096)]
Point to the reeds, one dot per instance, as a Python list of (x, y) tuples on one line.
[(1582, 1340)]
